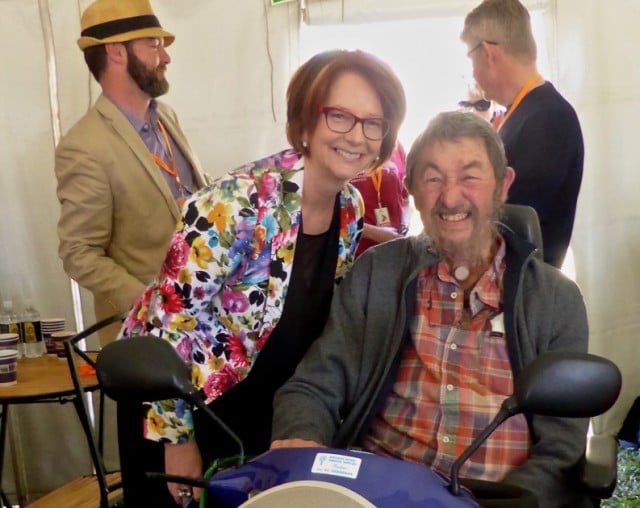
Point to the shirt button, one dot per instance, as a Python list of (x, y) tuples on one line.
[(454, 295), (445, 439), (145, 127), (449, 387), (454, 346)]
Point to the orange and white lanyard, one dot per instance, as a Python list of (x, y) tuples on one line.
[(500, 120), (173, 169), (376, 179)]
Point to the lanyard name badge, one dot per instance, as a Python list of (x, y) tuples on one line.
[(382, 212), (171, 168)]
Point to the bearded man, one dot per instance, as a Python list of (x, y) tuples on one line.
[(124, 168), (427, 334)]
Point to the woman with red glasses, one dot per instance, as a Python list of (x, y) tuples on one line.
[(247, 282)]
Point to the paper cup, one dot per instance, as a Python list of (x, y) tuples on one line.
[(58, 339), (8, 364), (9, 341)]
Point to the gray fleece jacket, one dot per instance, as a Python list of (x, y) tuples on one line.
[(348, 370)]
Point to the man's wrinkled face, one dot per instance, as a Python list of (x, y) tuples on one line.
[(458, 197), (147, 64)]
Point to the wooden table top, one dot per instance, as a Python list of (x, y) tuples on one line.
[(42, 378)]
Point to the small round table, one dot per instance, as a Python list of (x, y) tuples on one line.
[(40, 380), (43, 379)]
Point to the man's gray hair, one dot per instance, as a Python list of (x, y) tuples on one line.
[(454, 126), (505, 22)]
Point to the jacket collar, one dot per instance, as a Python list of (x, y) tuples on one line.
[(121, 125)]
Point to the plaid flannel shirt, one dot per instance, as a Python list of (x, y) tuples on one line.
[(452, 379)]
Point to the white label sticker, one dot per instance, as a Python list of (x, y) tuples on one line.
[(336, 465)]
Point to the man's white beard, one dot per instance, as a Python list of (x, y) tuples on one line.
[(475, 251)]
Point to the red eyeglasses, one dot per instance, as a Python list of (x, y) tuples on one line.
[(342, 121)]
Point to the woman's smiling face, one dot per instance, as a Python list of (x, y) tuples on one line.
[(338, 156)]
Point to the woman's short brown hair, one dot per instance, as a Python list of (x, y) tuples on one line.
[(309, 88)]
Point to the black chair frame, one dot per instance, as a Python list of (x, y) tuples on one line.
[(95, 438)]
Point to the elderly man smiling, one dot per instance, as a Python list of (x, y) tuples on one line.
[(427, 334)]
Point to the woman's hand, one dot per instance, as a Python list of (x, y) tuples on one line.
[(183, 460), (295, 443)]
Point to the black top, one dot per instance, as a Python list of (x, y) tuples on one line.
[(247, 408), (543, 143)]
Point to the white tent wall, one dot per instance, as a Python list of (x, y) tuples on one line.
[(597, 50), (321, 12), (29, 266), (231, 64)]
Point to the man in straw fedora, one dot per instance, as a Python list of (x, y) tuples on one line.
[(124, 168)]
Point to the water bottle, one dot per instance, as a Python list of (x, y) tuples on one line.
[(10, 323), (33, 343)]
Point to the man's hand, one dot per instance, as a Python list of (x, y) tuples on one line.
[(295, 443), (183, 460)]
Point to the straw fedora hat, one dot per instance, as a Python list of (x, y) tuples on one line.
[(107, 21)]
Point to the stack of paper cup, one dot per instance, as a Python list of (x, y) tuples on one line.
[(49, 326), (58, 339)]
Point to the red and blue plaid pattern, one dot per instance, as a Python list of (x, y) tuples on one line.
[(452, 379)]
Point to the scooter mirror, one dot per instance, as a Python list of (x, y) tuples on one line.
[(143, 368), (567, 384)]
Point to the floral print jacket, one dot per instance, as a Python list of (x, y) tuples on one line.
[(222, 287)]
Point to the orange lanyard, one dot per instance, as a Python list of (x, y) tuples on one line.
[(376, 179), (500, 120), (173, 170)]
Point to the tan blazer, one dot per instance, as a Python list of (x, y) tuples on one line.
[(117, 211)]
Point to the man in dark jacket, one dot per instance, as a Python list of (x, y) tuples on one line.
[(540, 129), (427, 334)]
